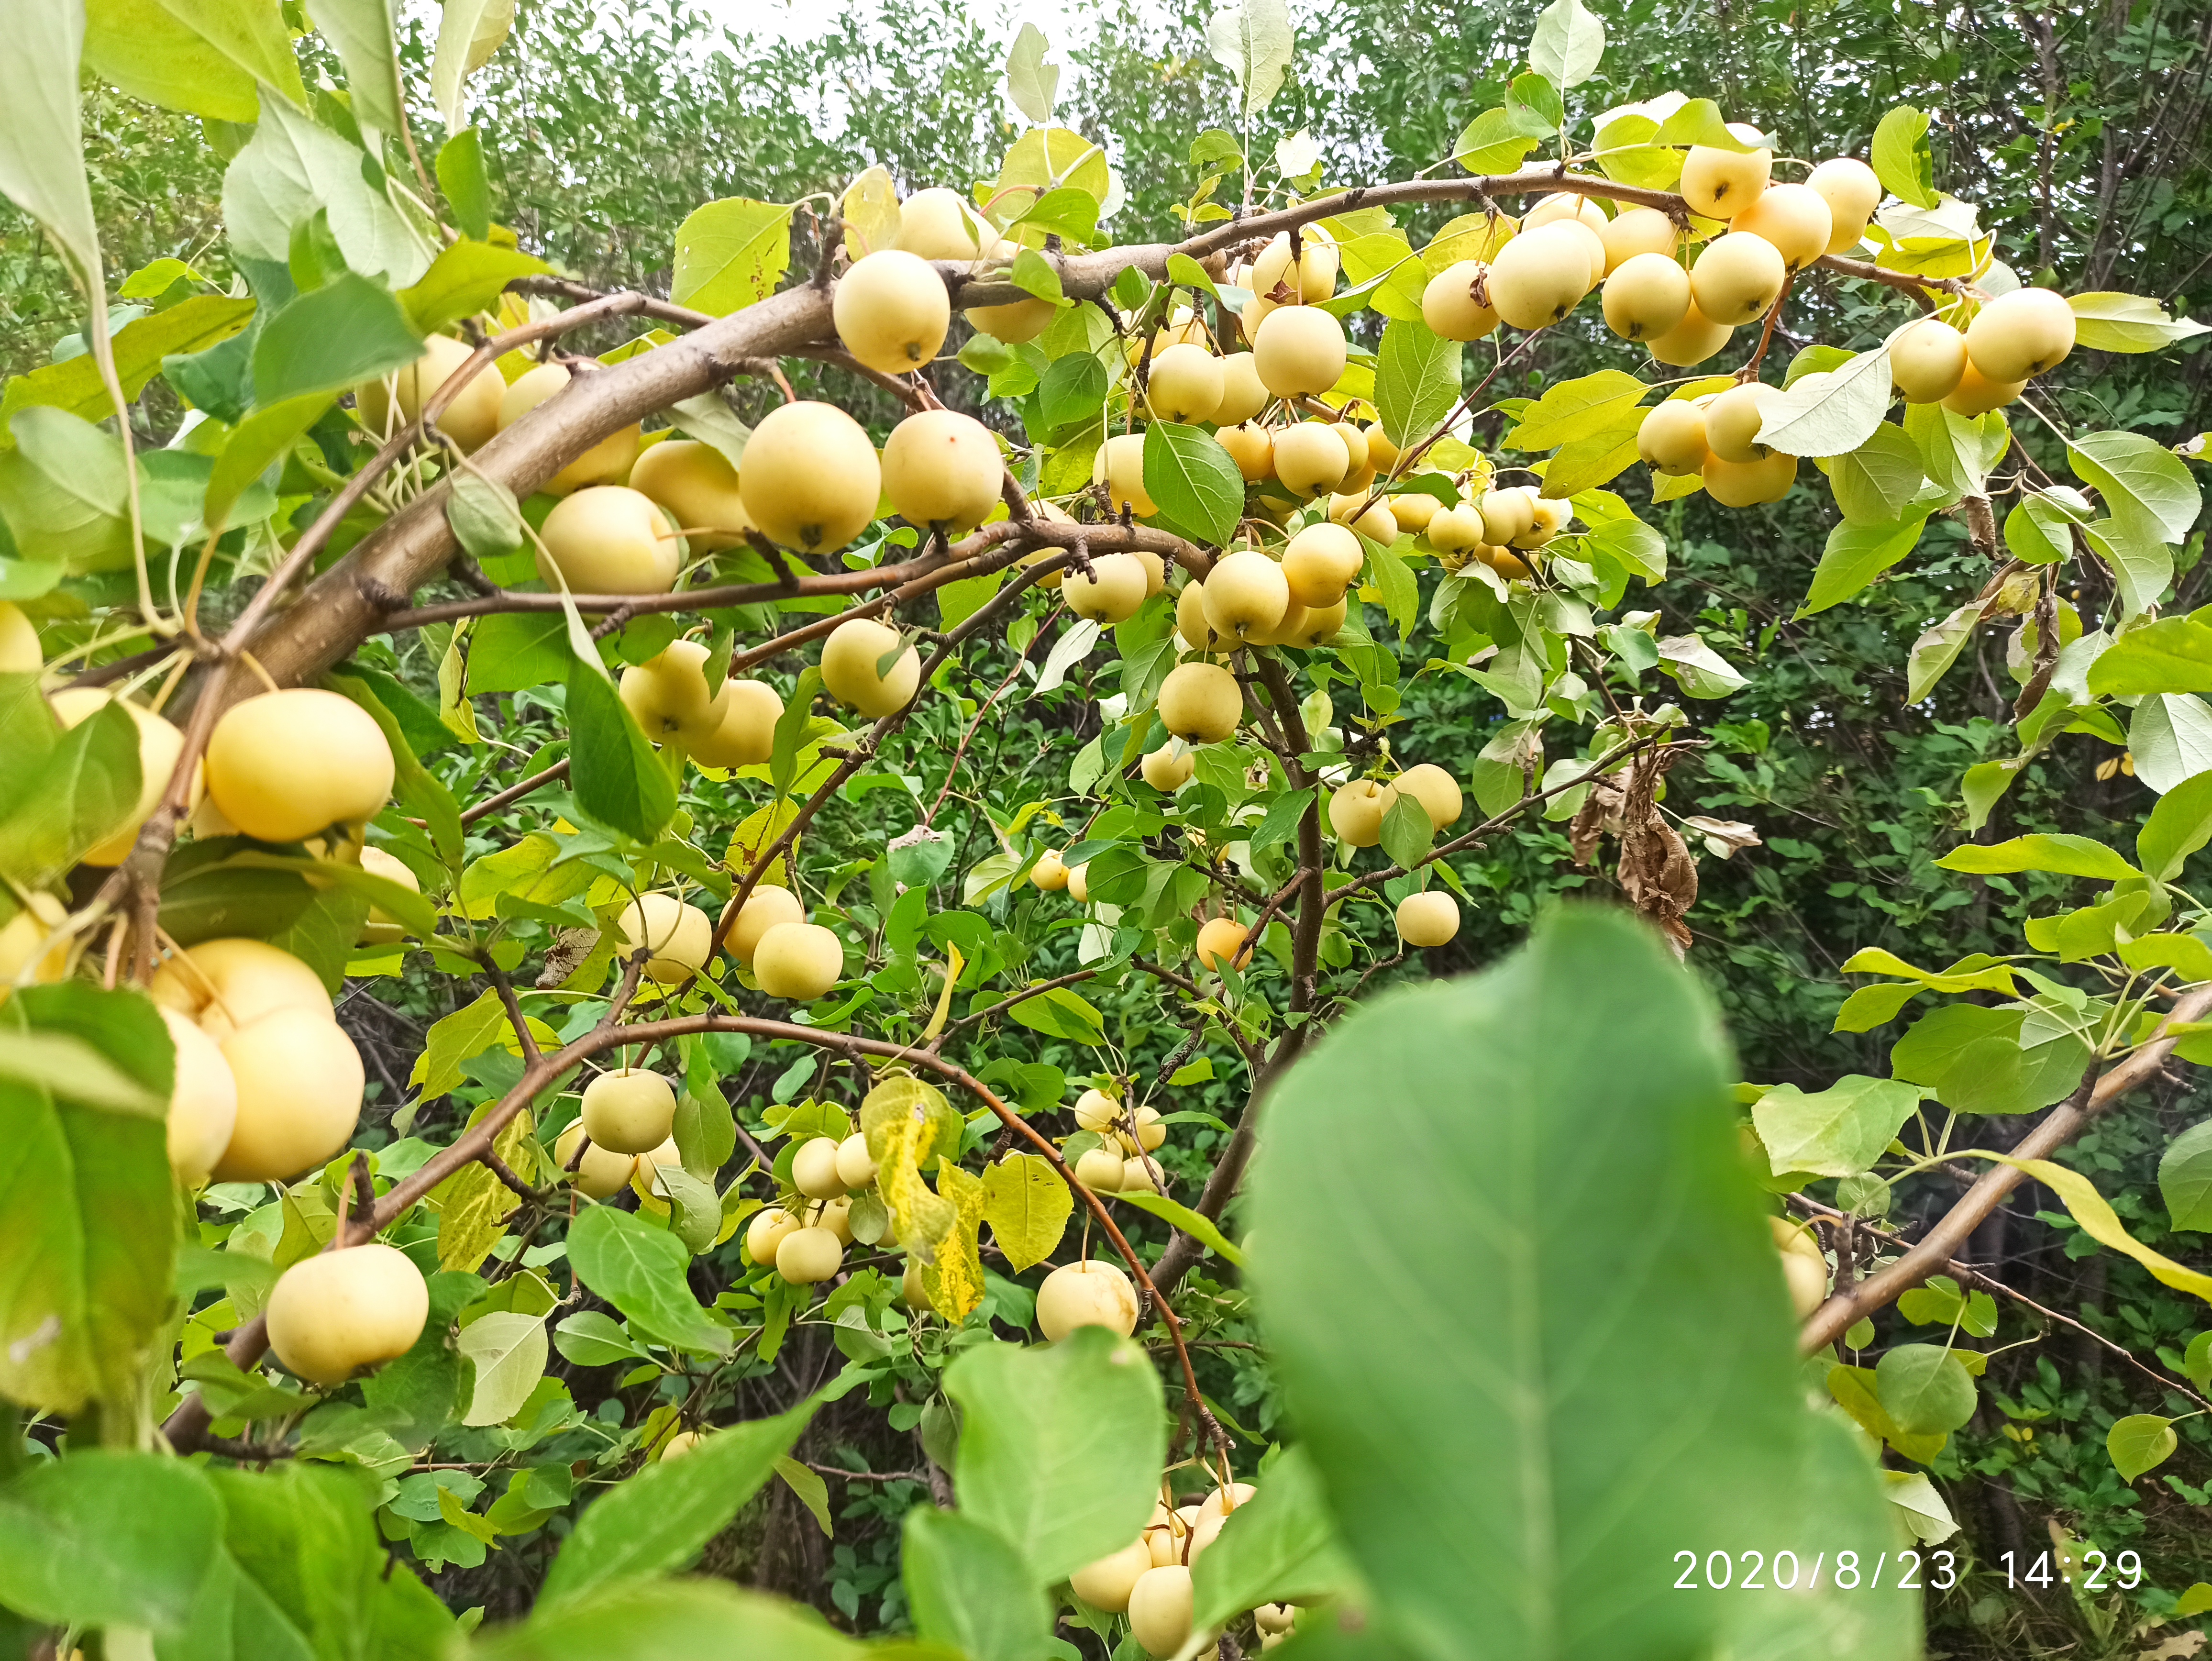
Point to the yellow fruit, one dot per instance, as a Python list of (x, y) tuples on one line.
[(1319, 624), (1746, 484), (1106, 1584), (1113, 591), (1639, 230), (1192, 627), (300, 1084), (1720, 184), (768, 1229), (814, 1169), (19, 651), (1250, 448), (1592, 245), (1732, 421), (160, 746), (338, 1312), (1160, 1609), (1381, 454), (1565, 204), (1507, 514), (891, 311), (2021, 335), (856, 1166), (1078, 885), (745, 735), (764, 908), (809, 1254), (679, 936), (1926, 359), (1454, 530), (940, 224), (470, 420), (286, 765), (1298, 350), (1976, 394), (601, 1173), (1429, 918), (223, 985), (1169, 767), (1050, 872), (837, 1216), (1121, 468), (810, 479), (628, 1111), (669, 695), (942, 469), (1289, 631), (203, 1102), (1505, 562), (1224, 1500), (1808, 1279), (1737, 277), (1794, 218), (1320, 562), (1310, 457), (606, 462), (1087, 1294), (799, 961), (1096, 1112), (24, 936), (1167, 1537), (1151, 1134), (1185, 384), (1200, 703), (1100, 1171), (1671, 438), (1373, 520), (1274, 1619), (1317, 266), (1693, 340), (1245, 594), (1541, 275), (1356, 811), (1138, 1175), (380, 928), (696, 486), (1017, 320), (913, 1294), (1436, 791), (1414, 510), (679, 1445), (609, 539), (1852, 193), (1244, 394), (1646, 297), (1449, 306), (1221, 940), (849, 657)]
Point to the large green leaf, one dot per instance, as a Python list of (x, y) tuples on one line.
[(64, 492), (1856, 554), (641, 1270), (657, 1520), (731, 254), (292, 166), (1416, 380), (149, 52), (2069, 855), (41, 143), (74, 384), (1503, 1473), (2185, 1179), (84, 790), (361, 31), (664, 1620), (2174, 655), (1195, 486), (88, 1207), (2137, 469), (348, 330), (106, 1535), (1925, 1389), (1836, 1132), (1568, 42), (1059, 1447), (970, 1589), (469, 32), (464, 280), (617, 777), (2177, 826)]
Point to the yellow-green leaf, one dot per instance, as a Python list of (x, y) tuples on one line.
[(1027, 1206)]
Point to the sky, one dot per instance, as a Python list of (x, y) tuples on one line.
[(798, 19)]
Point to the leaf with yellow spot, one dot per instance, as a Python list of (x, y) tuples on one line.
[(901, 1133), (758, 830), (1027, 1207), (473, 1205), (954, 1283)]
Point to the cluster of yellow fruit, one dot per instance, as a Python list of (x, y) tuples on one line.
[(790, 958), (1356, 811), (1150, 1580), (805, 1242), (1122, 1164), (1498, 528)]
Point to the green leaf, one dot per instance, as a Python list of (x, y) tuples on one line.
[(1061, 1014), (1938, 648), (1278, 1545), (641, 1270), (1253, 40), (1027, 1206), (108, 1536), (41, 143), (688, 1617), (1073, 389), (1901, 158), (469, 32), (2180, 825), (257, 442), (86, 787), (88, 1207), (1492, 143), (1576, 409), (1407, 831), (2185, 1179), (63, 492), (1192, 1223), (970, 1590), (1591, 1051), (1926, 1390), (361, 31), (1568, 44), (731, 254), (348, 330), (2140, 1442), (1059, 1447), (1031, 82), (2141, 565), (1856, 555), (2174, 655), (2170, 736), (1416, 380), (2108, 322), (1832, 411), (617, 777), (460, 170), (291, 167), (1400, 589), (151, 54), (1836, 1132), (2072, 856), (74, 384), (2135, 468), (1197, 487), (465, 279), (1533, 106)]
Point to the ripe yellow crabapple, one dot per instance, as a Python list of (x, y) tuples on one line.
[(1720, 184), (1112, 590), (1318, 264), (768, 905), (696, 486), (680, 936), (1245, 594), (1298, 350), (1244, 394), (799, 961), (628, 1111), (203, 1101), (679, 1445), (1185, 383), (1449, 306), (1310, 457), (1672, 439), (768, 1229), (338, 1312), (1565, 204), (1646, 297), (1733, 418), (285, 765), (1927, 357), (849, 661), (1427, 919), (1541, 275), (938, 223), (2021, 335), (602, 1172), (1374, 520), (1169, 767), (1794, 218), (609, 539), (1191, 625), (1747, 484), (814, 1169), (1121, 468), (1017, 320), (1085, 1294), (891, 311), (19, 651), (1251, 447), (1436, 791), (1321, 561), (606, 462), (810, 479), (1221, 940), (1976, 394), (1693, 340), (1852, 193), (1160, 1609), (1637, 230), (1049, 873), (1356, 810), (379, 928), (809, 1254), (1106, 1584), (942, 469), (856, 1166), (1200, 703), (1737, 276), (1413, 509), (1100, 1171), (745, 735), (1506, 513), (469, 420)]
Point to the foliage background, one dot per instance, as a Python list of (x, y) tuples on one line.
[(2081, 129)]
